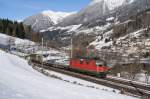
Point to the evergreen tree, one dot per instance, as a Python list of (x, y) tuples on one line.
[(1, 26), (14, 28), (22, 31), (17, 31), (8, 31)]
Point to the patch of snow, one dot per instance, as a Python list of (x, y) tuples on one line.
[(70, 28), (4, 39), (99, 45), (142, 78), (110, 19), (20, 20), (100, 41), (23, 42)]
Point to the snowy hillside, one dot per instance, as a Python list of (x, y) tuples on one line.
[(96, 12), (6, 40), (19, 81), (87, 14), (112, 4)]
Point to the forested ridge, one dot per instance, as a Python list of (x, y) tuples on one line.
[(14, 28)]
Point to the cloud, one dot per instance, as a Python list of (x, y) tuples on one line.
[(19, 20)]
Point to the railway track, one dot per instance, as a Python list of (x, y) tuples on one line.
[(125, 86), (129, 82)]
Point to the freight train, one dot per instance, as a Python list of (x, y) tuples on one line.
[(85, 66)]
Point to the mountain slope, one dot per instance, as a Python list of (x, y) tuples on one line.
[(45, 19), (112, 4), (96, 11), (89, 13)]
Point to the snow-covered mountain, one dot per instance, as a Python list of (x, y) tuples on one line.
[(97, 11), (102, 21), (45, 19), (112, 4), (56, 17), (87, 14)]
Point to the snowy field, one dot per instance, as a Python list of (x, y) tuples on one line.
[(20, 47), (19, 81), (5, 40)]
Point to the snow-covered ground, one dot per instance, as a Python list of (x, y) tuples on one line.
[(5, 39), (19, 81), (16, 45)]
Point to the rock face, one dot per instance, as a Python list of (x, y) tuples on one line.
[(141, 20), (39, 22)]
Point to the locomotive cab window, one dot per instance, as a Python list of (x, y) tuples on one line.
[(100, 65), (81, 61)]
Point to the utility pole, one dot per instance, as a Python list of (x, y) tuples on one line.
[(42, 53), (47, 51), (71, 48), (146, 4)]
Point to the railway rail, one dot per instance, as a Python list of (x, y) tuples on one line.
[(129, 82), (124, 85)]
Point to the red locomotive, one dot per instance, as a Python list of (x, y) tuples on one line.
[(90, 67), (86, 60)]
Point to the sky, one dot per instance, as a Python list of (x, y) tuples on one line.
[(20, 9)]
